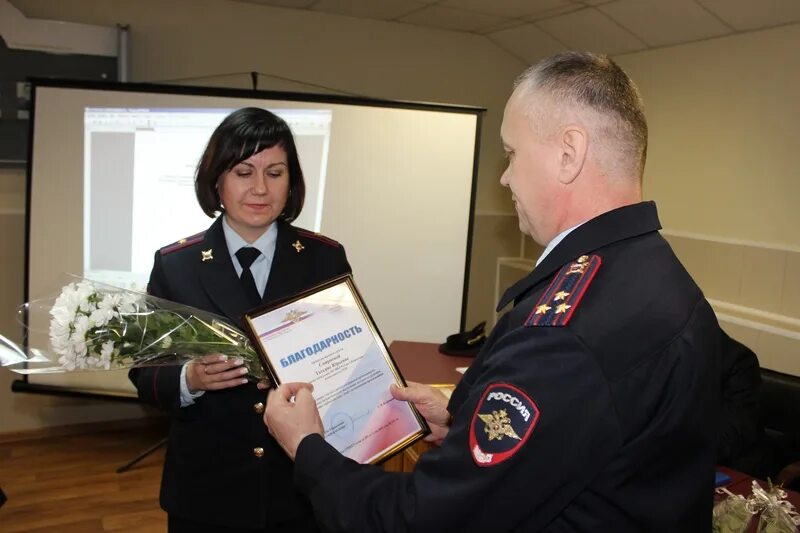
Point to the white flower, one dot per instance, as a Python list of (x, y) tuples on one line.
[(106, 309), (110, 300), (106, 351), (77, 347), (80, 326), (67, 362), (67, 302), (62, 315), (130, 303), (84, 289), (59, 335), (100, 316)]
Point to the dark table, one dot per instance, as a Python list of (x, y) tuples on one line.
[(422, 362)]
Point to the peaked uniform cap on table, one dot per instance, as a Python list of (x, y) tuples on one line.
[(467, 343)]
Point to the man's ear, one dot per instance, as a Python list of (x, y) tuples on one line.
[(573, 146)]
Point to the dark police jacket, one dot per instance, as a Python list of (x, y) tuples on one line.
[(591, 407), (741, 434), (212, 473)]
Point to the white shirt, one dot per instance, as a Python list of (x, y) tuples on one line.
[(260, 268), (264, 244), (552, 244)]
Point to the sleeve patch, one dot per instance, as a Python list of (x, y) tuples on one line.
[(559, 301), (501, 424), (183, 243)]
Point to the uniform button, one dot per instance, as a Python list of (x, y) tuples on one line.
[(258, 408), (258, 452)]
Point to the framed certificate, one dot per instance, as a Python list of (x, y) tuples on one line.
[(325, 336)]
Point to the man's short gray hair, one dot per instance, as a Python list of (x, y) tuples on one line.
[(595, 83)]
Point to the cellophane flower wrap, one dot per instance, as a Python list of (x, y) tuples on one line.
[(775, 513), (732, 514), (91, 326)]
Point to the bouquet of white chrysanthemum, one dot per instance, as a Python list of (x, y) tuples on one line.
[(92, 326)]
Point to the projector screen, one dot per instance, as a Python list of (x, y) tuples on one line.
[(111, 180)]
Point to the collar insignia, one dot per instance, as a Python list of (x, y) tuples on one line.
[(298, 246), (207, 255)]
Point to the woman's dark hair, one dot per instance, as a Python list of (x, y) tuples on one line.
[(242, 134)]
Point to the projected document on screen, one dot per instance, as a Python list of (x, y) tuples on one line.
[(139, 168)]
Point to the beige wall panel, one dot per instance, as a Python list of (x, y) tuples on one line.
[(762, 278), (493, 236), (715, 266), (12, 191), (790, 297), (509, 271), (723, 270), (746, 335), (531, 250), (723, 117), (780, 353), (692, 254), (12, 264), (777, 348)]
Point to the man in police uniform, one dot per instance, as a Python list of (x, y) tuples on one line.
[(592, 405)]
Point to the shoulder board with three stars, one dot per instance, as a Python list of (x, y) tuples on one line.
[(316, 236), (561, 298), (183, 243)]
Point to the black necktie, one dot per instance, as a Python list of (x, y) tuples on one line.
[(246, 256)]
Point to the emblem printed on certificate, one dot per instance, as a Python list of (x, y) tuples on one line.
[(326, 337)]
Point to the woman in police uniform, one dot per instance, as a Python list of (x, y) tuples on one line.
[(223, 472)]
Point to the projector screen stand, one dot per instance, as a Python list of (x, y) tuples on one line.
[(127, 466)]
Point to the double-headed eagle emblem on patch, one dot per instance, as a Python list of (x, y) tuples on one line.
[(502, 422), (498, 425)]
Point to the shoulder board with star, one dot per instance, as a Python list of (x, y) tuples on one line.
[(183, 243), (316, 236), (560, 300)]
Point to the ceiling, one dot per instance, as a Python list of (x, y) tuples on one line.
[(532, 29)]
